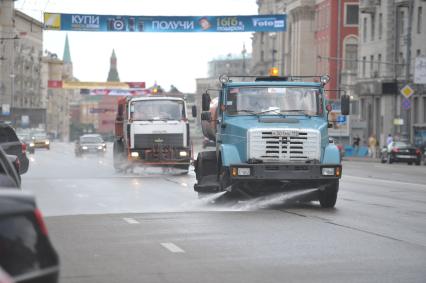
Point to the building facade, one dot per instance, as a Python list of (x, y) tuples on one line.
[(392, 35), (21, 99)]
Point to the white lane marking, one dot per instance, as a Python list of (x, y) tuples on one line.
[(385, 181), (172, 248), (130, 220), (81, 195)]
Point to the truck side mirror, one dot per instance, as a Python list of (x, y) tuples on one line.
[(194, 111), (206, 102), (345, 104), (206, 116)]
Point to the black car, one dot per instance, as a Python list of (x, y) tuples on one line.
[(9, 167), (26, 253), (11, 144), (90, 144), (401, 151)]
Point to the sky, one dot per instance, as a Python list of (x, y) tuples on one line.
[(167, 58)]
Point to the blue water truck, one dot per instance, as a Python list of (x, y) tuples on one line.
[(271, 136)]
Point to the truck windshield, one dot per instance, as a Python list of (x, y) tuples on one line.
[(274, 100), (148, 110)]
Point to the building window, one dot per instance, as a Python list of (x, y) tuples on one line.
[(351, 55), (380, 25), (418, 53), (402, 23), (419, 19), (401, 63), (351, 14), (379, 63), (363, 110), (364, 29), (416, 110), (364, 59), (424, 109), (372, 66), (373, 26)]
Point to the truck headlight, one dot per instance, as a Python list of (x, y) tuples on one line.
[(325, 171), (32, 144), (240, 171), (100, 147), (134, 154), (183, 153), (84, 147), (46, 142)]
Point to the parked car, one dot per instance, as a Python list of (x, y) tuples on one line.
[(92, 143), (26, 253), (39, 140), (11, 144), (9, 168), (401, 151)]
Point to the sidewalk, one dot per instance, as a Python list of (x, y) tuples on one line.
[(361, 159)]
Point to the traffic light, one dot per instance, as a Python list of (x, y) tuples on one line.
[(273, 72)]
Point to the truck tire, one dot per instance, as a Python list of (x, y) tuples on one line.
[(328, 197), (206, 164), (118, 155)]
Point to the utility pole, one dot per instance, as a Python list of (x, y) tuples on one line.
[(406, 132)]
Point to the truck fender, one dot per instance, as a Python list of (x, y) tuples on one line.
[(331, 155), (229, 154)]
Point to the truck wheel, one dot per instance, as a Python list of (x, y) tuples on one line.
[(328, 197), (118, 158)]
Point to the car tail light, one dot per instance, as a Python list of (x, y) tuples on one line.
[(17, 164), (24, 147), (395, 150), (40, 221), (418, 151)]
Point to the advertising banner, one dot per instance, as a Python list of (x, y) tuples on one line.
[(117, 92), (112, 23), (95, 85)]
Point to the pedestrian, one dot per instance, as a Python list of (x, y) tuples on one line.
[(389, 139), (372, 143), (355, 144)]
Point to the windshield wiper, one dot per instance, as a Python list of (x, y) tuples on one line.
[(247, 111), (277, 111), (296, 110)]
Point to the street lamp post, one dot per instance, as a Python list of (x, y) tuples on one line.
[(273, 36), (244, 52)]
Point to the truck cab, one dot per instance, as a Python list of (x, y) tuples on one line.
[(154, 131), (271, 136)]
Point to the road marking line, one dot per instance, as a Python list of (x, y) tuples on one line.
[(172, 248), (130, 220), (385, 181)]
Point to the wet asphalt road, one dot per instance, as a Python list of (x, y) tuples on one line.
[(150, 226)]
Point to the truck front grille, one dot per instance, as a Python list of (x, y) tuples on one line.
[(151, 140), (274, 145)]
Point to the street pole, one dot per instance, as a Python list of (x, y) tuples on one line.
[(243, 52), (406, 132)]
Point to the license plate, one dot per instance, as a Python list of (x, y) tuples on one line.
[(285, 133)]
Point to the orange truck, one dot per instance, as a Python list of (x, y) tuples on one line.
[(152, 131)]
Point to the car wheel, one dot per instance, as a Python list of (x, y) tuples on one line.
[(328, 196), (417, 162)]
